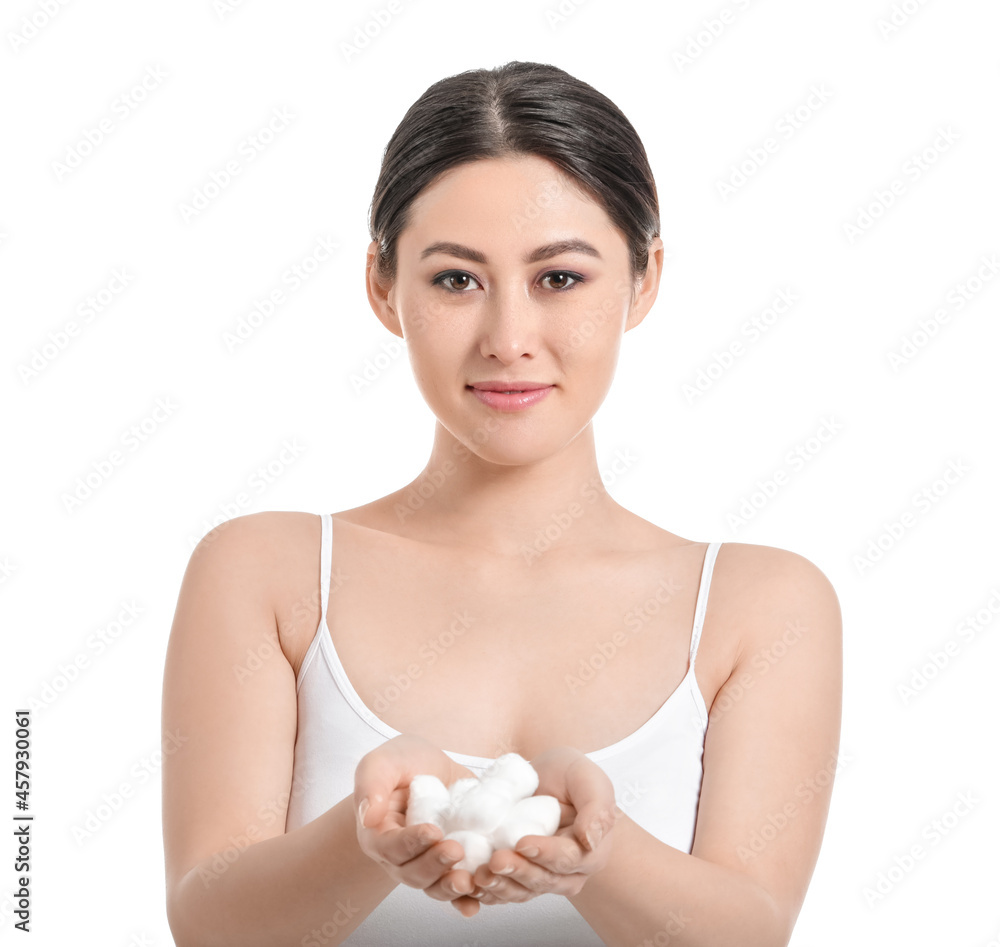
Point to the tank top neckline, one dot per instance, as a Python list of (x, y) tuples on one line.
[(324, 640)]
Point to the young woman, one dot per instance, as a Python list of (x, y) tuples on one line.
[(501, 602)]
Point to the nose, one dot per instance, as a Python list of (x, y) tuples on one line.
[(510, 325)]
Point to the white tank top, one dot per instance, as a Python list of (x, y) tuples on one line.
[(656, 772)]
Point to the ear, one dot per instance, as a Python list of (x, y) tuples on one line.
[(380, 294), (650, 286)]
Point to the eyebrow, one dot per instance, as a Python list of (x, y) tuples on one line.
[(545, 252)]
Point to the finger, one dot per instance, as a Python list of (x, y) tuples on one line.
[(484, 897), (560, 853), (393, 815), (593, 824), (510, 889), (517, 873), (400, 846), (427, 869), (467, 907), (380, 785), (567, 815), (532, 882), (374, 780), (593, 795), (451, 885)]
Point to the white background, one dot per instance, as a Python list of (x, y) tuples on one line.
[(67, 572)]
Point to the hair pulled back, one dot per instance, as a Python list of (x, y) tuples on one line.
[(519, 108)]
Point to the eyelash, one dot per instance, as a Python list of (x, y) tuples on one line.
[(442, 278)]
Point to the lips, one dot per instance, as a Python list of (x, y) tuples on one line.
[(510, 396), (509, 386)]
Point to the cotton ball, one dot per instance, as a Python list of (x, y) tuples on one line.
[(429, 798), (460, 787), (456, 792), (471, 809), (485, 806), (536, 815), (477, 848), (515, 770), (509, 779)]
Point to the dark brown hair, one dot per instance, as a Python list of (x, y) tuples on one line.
[(519, 108)]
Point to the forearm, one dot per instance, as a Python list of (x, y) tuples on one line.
[(279, 890), (650, 893)]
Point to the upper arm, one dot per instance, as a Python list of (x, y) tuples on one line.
[(229, 700), (771, 748)]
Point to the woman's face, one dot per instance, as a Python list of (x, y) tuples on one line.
[(508, 275)]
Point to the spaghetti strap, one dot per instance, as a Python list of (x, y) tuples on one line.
[(325, 554), (699, 611)]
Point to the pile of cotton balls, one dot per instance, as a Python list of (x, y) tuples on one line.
[(485, 814)]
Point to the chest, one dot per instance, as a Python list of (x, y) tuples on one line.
[(484, 659)]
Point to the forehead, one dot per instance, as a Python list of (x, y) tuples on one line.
[(504, 201)]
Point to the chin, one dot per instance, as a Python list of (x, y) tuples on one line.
[(518, 457), (518, 446)]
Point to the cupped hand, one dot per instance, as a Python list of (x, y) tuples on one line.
[(412, 855), (561, 863)]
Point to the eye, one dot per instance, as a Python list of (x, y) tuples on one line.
[(458, 281), (453, 281), (562, 276)]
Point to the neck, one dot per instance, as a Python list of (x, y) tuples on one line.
[(517, 511)]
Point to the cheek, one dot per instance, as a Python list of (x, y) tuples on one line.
[(591, 331), (437, 359), (425, 360), (435, 327), (590, 346)]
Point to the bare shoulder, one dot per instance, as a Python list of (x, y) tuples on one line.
[(771, 593), (763, 600), (225, 685), (774, 725), (275, 555), (260, 542), (754, 586), (768, 567)]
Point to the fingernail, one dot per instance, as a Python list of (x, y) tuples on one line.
[(362, 809), (509, 870), (446, 859), (594, 835), (530, 852)]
